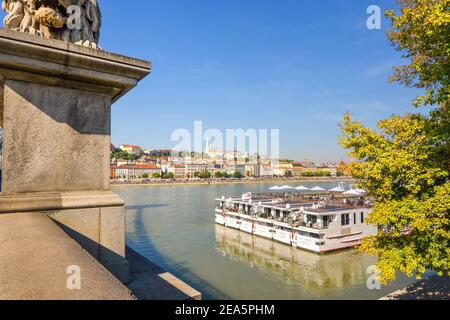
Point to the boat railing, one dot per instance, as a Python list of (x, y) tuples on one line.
[(291, 222), (320, 199)]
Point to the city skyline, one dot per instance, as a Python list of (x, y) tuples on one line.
[(206, 151)]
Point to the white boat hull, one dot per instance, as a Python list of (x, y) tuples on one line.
[(254, 226), (264, 231), (247, 226), (283, 236)]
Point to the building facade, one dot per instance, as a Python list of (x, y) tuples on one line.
[(130, 172), (136, 150), (191, 169)]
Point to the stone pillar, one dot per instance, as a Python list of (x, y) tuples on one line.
[(55, 111)]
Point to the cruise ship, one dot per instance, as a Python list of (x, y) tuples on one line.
[(315, 222)]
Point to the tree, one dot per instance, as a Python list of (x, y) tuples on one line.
[(204, 175), (308, 174), (156, 175), (131, 157), (237, 175), (421, 32), (144, 176), (170, 175), (218, 175), (404, 163)]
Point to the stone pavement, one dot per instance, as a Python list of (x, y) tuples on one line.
[(152, 283), (35, 255), (433, 288)]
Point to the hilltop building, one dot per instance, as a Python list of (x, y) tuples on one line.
[(136, 150)]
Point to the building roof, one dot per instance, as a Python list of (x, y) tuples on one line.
[(128, 146), (297, 164), (138, 166)]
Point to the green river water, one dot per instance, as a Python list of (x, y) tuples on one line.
[(173, 226)]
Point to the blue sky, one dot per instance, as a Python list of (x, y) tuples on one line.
[(292, 65)]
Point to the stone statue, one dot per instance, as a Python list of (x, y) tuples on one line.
[(76, 21)]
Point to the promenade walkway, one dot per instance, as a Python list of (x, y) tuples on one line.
[(36, 255), (434, 288)]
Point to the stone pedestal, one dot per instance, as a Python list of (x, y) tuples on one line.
[(55, 111)]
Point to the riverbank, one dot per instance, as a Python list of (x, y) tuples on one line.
[(433, 288), (228, 181)]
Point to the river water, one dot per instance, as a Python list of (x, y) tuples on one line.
[(173, 226)]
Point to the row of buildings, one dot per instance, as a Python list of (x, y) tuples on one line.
[(145, 164)]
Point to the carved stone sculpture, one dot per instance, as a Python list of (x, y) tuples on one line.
[(76, 21)]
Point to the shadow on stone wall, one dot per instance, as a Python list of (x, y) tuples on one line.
[(85, 112), (146, 280), (102, 254)]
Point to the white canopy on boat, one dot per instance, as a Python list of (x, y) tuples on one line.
[(317, 189), (286, 188), (274, 188), (360, 190), (301, 188), (337, 189), (351, 192)]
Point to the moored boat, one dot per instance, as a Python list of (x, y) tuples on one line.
[(315, 222)]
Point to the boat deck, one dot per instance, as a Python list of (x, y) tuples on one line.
[(310, 203)]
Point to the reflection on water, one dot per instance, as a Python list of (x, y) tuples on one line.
[(312, 272), (173, 226)]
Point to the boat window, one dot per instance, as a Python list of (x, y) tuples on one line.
[(311, 219), (362, 217), (326, 221), (345, 219), (354, 218), (303, 233)]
